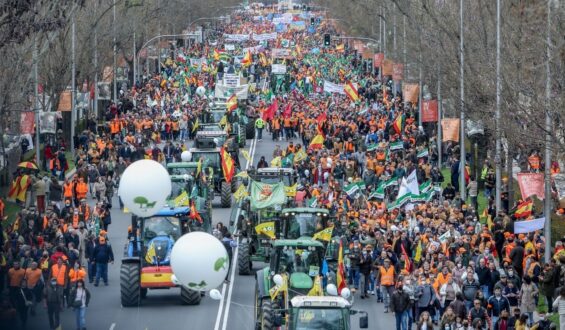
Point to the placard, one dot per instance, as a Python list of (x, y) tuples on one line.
[(429, 111)]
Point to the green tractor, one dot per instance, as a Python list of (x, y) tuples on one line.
[(217, 116), (198, 192), (315, 312), (147, 257)]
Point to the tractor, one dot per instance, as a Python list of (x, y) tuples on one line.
[(213, 170), (198, 192), (146, 264), (217, 116), (205, 138), (330, 313)]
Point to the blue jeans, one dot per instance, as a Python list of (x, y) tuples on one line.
[(91, 271), (260, 133), (401, 320), (101, 271), (485, 290), (80, 317), (355, 275)]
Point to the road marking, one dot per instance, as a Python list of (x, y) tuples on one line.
[(252, 149), (112, 326)]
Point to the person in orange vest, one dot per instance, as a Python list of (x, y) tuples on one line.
[(34, 282), (81, 189), (16, 275), (386, 276), (68, 190), (59, 273), (76, 273)]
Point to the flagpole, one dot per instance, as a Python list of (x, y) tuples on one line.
[(462, 190), (547, 169), (497, 157)]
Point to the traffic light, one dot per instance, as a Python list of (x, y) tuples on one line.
[(312, 21), (327, 39)]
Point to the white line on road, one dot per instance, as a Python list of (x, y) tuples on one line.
[(220, 308), (252, 149), (112, 326)]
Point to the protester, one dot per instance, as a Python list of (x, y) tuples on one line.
[(80, 298)]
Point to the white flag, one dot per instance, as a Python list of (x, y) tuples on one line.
[(528, 226), (412, 183)]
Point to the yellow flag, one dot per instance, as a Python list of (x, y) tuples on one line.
[(240, 193), (267, 229), (150, 254), (126, 210), (300, 155), (324, 235), (182, 199), (196, 125), (223, 122), (274, 291), (276, 162), (418, 254), (316, 288), (245, 154), (291, 191), (242, 174)]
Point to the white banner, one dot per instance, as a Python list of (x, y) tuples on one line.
[(231, 80), (280, 52), (265, 36), (253, 50), (330, 87), (229, 47), (278, 68), (284, 20), (223, 92), (48, 122), (236, 37), (528, 226)]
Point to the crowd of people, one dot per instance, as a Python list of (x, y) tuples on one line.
[(439, 262)]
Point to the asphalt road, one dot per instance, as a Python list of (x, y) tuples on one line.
[(162, 309)]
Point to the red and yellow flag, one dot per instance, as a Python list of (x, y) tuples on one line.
[(317, 142), (340, 270), (19, 187), (231, 104), (228, 165), (246, 61), (398, 124), (351, 91), (216, 55), (194, 215), (524, 209)]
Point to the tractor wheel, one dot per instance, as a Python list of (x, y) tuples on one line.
[(226, 195), (190, 297), (250, 128), (267, 314), (242, 141), (130, 290), (144, 293), (234, 184), (244, 263)]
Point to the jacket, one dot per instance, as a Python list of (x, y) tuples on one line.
[(55, 192), (497, 305), (103, 253), (73, 295), (399, 301), (53, 295)]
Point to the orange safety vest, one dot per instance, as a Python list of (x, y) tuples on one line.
[(76, 219), (79, 274), (531, 268), (85, 210), (387, 275), (59, 273), (82, 189), (68, 190)]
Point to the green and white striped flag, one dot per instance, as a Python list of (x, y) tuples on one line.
[(391, 182), (372, 147), (399, 145), (423, 153), (378, 193), (351, 189), (312, 202), (399, 202), (362, 186), (425, 187)]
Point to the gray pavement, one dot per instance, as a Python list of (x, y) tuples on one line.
[(162, 309)]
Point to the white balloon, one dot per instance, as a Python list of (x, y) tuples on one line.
[(278, 279), (200, 90), (185, 156), (331, 289), (215, 294), (345, 293), (175, 280), (326, 175), (144, 187), (199, 261)]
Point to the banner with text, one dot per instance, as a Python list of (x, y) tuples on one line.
[(450, 129), (429, 111), (531, 184)]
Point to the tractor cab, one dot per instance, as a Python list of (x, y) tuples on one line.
[(210, 139), (330, 313), (273, 175), (303, 221)]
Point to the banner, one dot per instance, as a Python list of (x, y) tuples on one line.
[(397, 71), (429, 111), (378, 59), (278, 68), (223, 92), (528, 226), (450, 129), (265, 195), (265, 36), (65, 101), (231, 80), (280, 53), (229, 47), (330, 87), (387, 67), (236, 37), (253, 50), (411, 92), (531, 184), (27, 121), (48, 122)]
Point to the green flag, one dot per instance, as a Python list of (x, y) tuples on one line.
[(425, 187), (312, 202), (265, 195), (351, 189), (423, 153), (399, 145), (391, 182), (378, 193), (372, 147)]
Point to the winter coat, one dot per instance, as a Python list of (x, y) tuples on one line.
[(399, 301), (103, 253), (55, 192), (527, 296)]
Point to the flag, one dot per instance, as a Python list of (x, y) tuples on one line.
[(487, 218), (196, 125), (340, 269), (351, 189), (269, 113), (391, 182), (524, 209), (409, 185), (418, 253), (265, 195), (276, 162), (398, 145), (317, 142), (300, 155), (423, 153), (246, 61), (425, 187), (291, 191), (19, 187), (312, 202), (150, 255), (245, 154), (398, 124), (240, 193), (181, 200), (324, 234), (407, 262), (351, 91), (223, 121), (242, 174), (194, 215), (274, 291), (228, 166), (528, 226), (263, 59), (340, 48), (316, 288), (216, 55), (267, 229), (372, 147), (288, 161), (287, 112), (231, 103), (399, 202), (378, 193)]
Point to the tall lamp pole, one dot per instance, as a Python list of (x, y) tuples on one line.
[(462, 187)]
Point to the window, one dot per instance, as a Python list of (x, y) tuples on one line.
[(319, 318), (161, 226)]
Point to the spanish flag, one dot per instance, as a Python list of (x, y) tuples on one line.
[(267, 229), (317, 142), (398, 124), (340, 270), (324, 235), (194, 215), (246, 61), (263, 59), (228, 166), (524, 209), (231, 104), (351, 90)]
